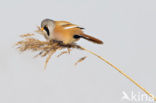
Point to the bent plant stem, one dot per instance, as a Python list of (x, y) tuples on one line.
[(128, 77)]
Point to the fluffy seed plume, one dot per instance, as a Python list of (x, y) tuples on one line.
[(45, 48)]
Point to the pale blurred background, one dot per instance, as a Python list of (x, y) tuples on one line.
[(127, 27)]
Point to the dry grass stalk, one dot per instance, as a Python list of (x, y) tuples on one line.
[(80, 60), (48, 58), (26, 35), (64, 52), (48, 48)]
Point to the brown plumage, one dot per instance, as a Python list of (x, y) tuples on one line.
[(65, 31), (92, 39)]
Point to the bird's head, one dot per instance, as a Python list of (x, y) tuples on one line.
[(47, 26)]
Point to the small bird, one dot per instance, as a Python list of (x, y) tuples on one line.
[(65, 32)]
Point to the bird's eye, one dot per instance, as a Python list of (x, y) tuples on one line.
[(76, 36), (47, 30)]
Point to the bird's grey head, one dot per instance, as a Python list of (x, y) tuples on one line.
[(48, 25)]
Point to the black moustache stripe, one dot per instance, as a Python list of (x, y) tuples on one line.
[(47, 30)]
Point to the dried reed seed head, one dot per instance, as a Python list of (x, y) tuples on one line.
[(45, 48)]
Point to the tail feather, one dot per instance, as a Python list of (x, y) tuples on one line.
[(92, 39)]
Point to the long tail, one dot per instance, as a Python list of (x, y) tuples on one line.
[(92, 39)]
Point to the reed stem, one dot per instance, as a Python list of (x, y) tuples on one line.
[(128, 77)]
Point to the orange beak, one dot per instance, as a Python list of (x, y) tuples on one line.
[(42, 29)]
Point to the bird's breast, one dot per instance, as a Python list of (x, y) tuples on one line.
[(65, 35)]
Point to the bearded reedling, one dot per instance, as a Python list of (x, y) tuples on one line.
[(65, 32)]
